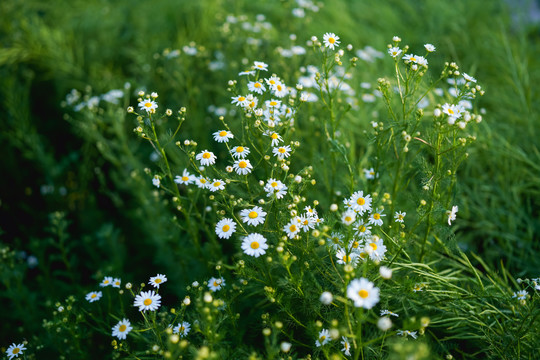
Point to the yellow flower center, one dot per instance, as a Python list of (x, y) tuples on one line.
[(373, 246), (147, 302), (331, 40), (217, 184), (225, 228), (363, 294), (206, 155), (185, 178), (241, 98), (274, 184), (239, 149), (122, 328), (273, 103), (182, 329), (305, 222), (279, 88), (346, 258), (93, 296), (292, 228), (363, 255), (376, 216), (362, 228), (348, 219), (360, 201), (254, 245), (413, 59), (355, 244), (242, 164), (272, 82), (148, 104), (15, 351), (253, 215), (257, 85), (203, 181), (400, 217), (157, 281), (282, 150), (223, 133), (105, 281), (450, 111), (322, 338), (216, 283), (274, 136)]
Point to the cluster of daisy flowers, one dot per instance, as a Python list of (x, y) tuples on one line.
[(361, 218), (463, 86)]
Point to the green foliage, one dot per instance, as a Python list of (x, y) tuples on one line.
[(79, 202)]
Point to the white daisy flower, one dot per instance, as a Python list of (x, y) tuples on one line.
[(206, 158), (400, 216), (363, 230), (147, 300), (388, 312), (258, 65), (520, 295), (107, 281), (394, 52), (273, 80), (247, 72), (116, 283), (348, 217), (363, 293), (215, 284), (94, 296), (346, 346), (273, 103), (429, 47), (225, 228), (149, 105), (324, 338), (410, 58), (280, 90), (185, 179), (223, 136), (239, 100), (406, 333), (282, 152), (156, 181), (157, 280), (121, 329), (331, 40), (453, 111), (379, 249), (306, 223), (202, 182), (360, 202), (276, 187), (370, 174), (344, 258), (452, 214), (292, 228), (375, 217), (182, 329), (216, 184), (242, 167), (240, 152), (14, 350), (253, 216), (254, 245), (276, 138), (468, 78), (256, 87)]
